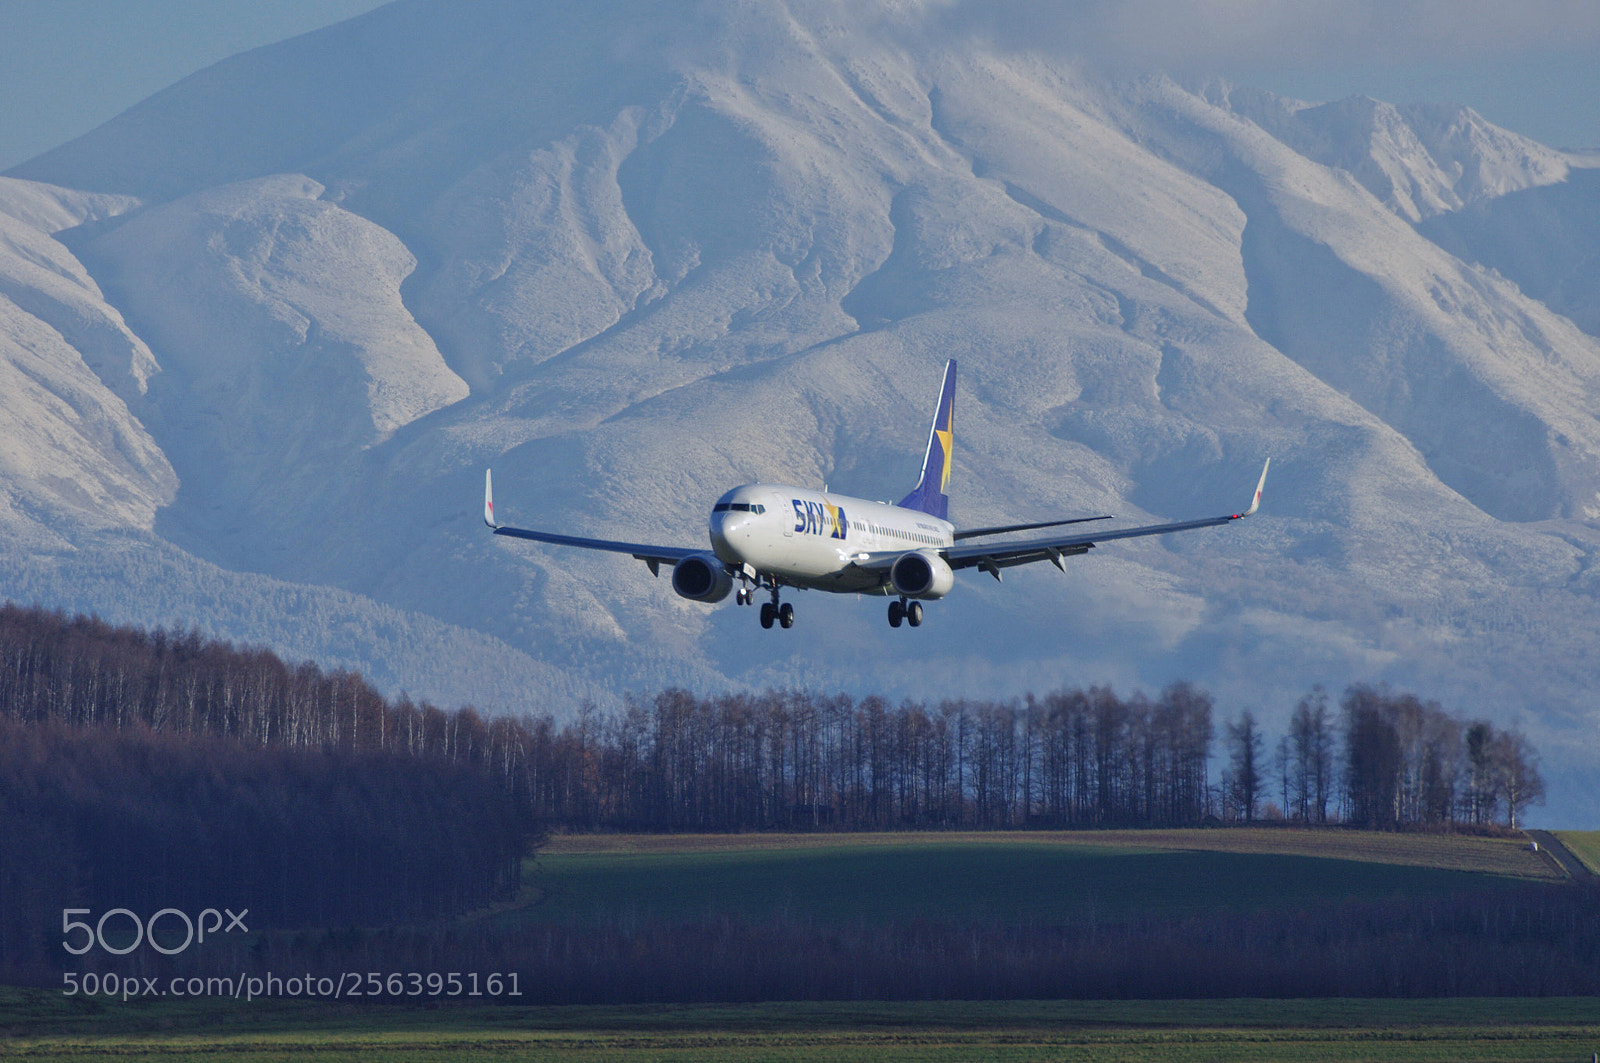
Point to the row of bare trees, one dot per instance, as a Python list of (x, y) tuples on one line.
[(744, 762), (674, 762), (1381, 760), (678, 762), (85, 672), (1072, 758)]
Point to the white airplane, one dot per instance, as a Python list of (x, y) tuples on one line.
[(772, 536)]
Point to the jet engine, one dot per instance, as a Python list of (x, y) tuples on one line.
[(702, 577), (920, 574)]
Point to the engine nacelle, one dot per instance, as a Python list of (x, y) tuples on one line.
[(702, 578), (920, 574)]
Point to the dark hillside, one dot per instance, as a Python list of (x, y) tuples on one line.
[(1037, 915), (150, 771)]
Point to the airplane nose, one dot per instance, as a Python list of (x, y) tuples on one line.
[(719, 537), (726, 534)]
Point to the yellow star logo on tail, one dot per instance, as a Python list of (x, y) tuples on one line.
[(946, 442)]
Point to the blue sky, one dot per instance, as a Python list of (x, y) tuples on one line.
[(1530, 65), (66, 66)]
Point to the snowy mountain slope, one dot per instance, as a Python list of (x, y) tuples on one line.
[(1421, 161), (1496, 390), (85, 483), (68, 442), (631, 257), (1545, 239), (133, 578), (286, 344)]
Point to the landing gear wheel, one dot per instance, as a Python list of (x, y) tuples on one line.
[(786, 615), (897, 613), (742, 596), (914, 614), (769, 613)]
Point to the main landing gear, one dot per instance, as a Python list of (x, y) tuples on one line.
[(772, 612), (911, 612), (783, 614)]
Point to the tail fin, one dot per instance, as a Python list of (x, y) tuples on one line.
[(929, 494)]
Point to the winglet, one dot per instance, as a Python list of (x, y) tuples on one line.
[(488, 499), (1255, 503)]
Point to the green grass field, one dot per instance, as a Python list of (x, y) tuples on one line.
[(1585, 845), (1506, 856), (1102, 1032), (1009, 877), (839, 879)]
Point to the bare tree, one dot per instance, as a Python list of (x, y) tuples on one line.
[(1516, 770), (1481, 796), (1245, 764), (1372, 760)]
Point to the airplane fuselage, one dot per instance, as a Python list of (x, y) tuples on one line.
[(814, 539)]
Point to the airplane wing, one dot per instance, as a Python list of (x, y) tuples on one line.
[(992, 557), (654, 556), (973, 533)]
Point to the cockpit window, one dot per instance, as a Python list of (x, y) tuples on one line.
[(738, 507)]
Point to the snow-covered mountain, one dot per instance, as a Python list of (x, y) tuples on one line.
[(260, 335)]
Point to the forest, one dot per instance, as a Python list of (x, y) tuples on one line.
[(802, 760)]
